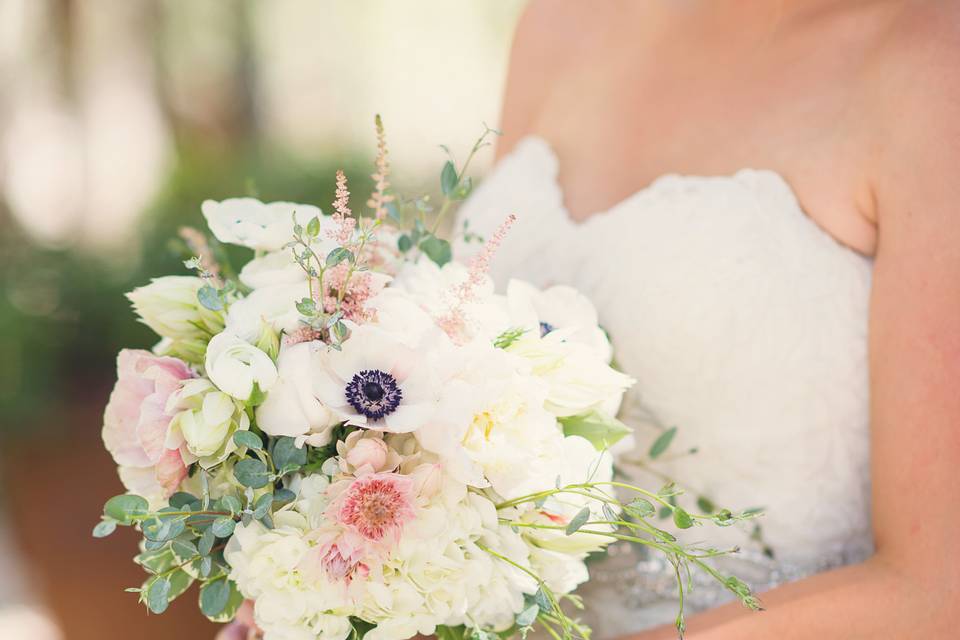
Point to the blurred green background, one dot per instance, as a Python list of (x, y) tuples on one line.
[(117, 119)]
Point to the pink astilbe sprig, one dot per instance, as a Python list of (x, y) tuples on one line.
[(342, 216), (349, 291), (454, 320), (379, 199)]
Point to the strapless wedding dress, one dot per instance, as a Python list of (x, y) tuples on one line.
[(745, 326)]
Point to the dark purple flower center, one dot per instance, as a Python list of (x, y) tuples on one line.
[(373, 393), (545, 328)]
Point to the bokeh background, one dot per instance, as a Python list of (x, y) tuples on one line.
[(117, 118)]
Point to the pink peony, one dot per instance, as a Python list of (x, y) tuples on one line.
[(375, 506), (136, 421)]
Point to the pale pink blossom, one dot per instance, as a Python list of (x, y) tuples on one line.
[(454, 320), (364, 452), (374, 506), (342, 216), (136, 421)]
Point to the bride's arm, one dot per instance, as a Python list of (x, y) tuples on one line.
[(911, 587)]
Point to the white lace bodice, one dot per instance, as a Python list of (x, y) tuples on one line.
[(744, 324)]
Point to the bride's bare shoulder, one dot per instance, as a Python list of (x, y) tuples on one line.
[(548, 36), (914, 98)]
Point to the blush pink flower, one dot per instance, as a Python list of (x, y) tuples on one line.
[(136, 422), (375, 506)]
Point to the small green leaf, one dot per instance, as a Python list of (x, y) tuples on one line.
[(682, 519), (184, 550), (463, 189), (262, 506), (257, 396), (223, 527), (706, 505), (283, 496), (214, 597), (251, 473), (307, 307), (662, 442), (528, 616), (124, 509), (338, 255), (104, 528), (210, 298), (182, 499), (578, 521), (205, 544), (404, 243), (437, 249), (602, 430), (231, 503), (158, 595), (285, 452), (313, 227), (180, 581), (640, 508), (448, 178), (248, 439), (542, 599)]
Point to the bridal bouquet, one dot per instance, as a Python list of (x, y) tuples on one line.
[(356, 435)]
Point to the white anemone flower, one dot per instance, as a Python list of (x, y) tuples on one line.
[(251, 223), (291, 408), (558, 308), (378, 381)]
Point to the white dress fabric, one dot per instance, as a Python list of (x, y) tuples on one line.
[(745, 326)]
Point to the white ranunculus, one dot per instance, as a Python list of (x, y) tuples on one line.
[(235, 365), (291, 408), (251, 223), (170, 307), (276, 305), (559, 307), (205, 424)]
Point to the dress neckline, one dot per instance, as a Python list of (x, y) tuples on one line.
[(761, 181)]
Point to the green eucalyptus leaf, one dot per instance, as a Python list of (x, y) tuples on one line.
[(181, 499), (262, 506), (662, 443), (214, 597), (602, 430), (184, 550), (404, 243), (251, 473), (104, 528), (285, 452), (158, 595), (223, 527), (232, 504), (126, 508), (307, 307), (248, 439), (283, 496), (210, 298), (205, 544), (180, 581)]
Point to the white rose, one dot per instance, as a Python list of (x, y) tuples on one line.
[(206, 423), (235, 365), (170, 307), (251, 223), (291, 408)]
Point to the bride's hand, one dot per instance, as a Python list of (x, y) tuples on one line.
[(243, 627)]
